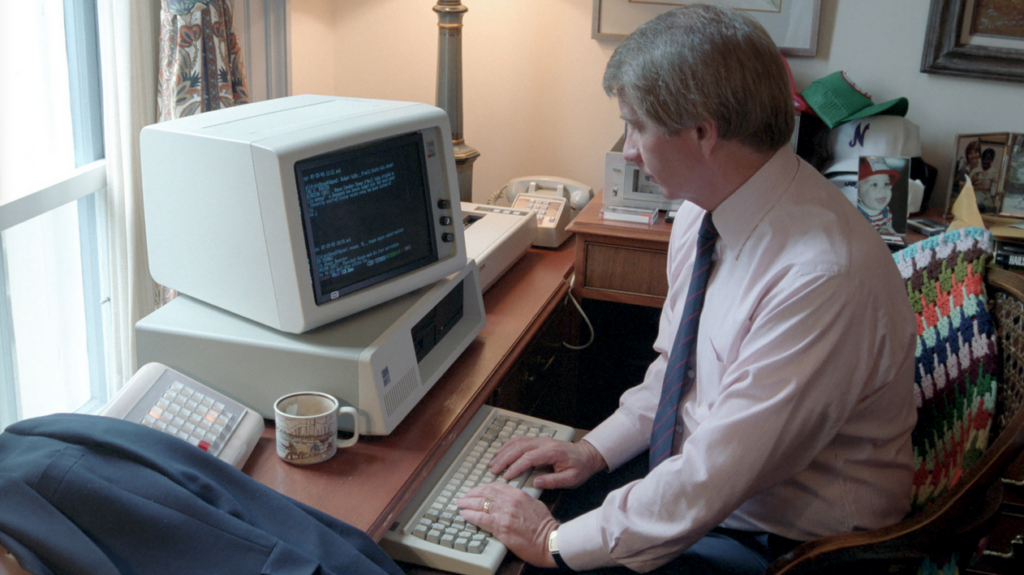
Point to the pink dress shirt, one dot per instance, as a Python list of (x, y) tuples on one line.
[(799, 422)]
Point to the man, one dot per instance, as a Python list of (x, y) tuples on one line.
[(984, 180), (796, 414)]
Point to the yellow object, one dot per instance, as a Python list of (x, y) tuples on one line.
[(965, 210)]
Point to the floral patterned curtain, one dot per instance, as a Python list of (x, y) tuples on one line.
[(200, 67), (200, 60)]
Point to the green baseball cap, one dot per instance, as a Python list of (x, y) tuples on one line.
[(837, 100)]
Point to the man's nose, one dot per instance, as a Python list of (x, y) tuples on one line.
[(630, 151)]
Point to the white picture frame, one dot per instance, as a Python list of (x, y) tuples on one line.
[(794, 27)]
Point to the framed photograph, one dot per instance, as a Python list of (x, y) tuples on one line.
[(975, 38), (792, 24), (980, 158), (1012, 203), (883, 195)]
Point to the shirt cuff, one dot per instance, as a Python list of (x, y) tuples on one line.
[(618, 440), (581, 545)]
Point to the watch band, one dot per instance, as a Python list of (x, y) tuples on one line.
[(561, 562), (553, 549)]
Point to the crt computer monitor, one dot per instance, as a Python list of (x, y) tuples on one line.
[(299, 211)]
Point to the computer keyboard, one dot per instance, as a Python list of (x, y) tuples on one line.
[(431, 531)]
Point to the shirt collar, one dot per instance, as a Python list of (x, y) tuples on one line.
[(739, 214)]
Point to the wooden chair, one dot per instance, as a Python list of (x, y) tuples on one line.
[(961, 518)]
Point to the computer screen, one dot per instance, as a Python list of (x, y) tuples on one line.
[(365, 215), (303, 210)]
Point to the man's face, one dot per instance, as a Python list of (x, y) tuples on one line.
[(874, 192), (972, 156), (986, 161), (670, 161)]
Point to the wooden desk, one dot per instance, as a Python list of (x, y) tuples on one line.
[(621, 262), (369, 484)]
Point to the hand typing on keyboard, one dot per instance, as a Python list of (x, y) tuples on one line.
[(434, 532), (519, 521), (572, 463)]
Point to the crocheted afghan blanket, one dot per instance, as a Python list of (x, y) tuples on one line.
[(956, 362)]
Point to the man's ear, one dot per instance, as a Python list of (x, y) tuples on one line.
[(707, 137)]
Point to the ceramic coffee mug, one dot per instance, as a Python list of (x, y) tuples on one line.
[(307, 427)]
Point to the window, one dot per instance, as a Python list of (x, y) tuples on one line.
[(52, 181)]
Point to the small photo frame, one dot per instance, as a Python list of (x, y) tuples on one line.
[(1012, 192), (980, 157), (883, 195)]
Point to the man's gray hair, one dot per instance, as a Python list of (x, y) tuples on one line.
[(699, 63)]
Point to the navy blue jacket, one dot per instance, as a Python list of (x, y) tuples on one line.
[(88, 494)]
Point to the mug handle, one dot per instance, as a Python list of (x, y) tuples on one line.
[(355, 427)]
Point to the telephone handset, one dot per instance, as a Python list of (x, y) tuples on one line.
[(556, 201)]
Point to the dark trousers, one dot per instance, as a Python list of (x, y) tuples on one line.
[(721, 551)]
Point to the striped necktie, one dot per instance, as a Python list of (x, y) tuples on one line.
[(680, 361)]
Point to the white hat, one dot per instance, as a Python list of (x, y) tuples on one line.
[(886, 136), (847, 184)]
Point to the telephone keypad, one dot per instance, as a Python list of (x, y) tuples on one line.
[(547, 210)]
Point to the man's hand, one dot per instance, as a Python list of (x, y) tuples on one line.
[(572, 463), (519, 521)]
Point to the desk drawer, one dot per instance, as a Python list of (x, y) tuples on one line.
[(626, 269), (542, 383)]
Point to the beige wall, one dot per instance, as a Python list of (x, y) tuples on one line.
[(532, 75)]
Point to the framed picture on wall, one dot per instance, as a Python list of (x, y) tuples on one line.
[(975, 38), (980, 158), (792, 24), (1012, 203)]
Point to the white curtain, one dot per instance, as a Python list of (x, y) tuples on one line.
[(128, 32)]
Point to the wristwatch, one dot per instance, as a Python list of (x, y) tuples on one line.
[(553, 549)]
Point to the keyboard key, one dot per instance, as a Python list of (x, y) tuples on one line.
[(434, 512), (477, 546)]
